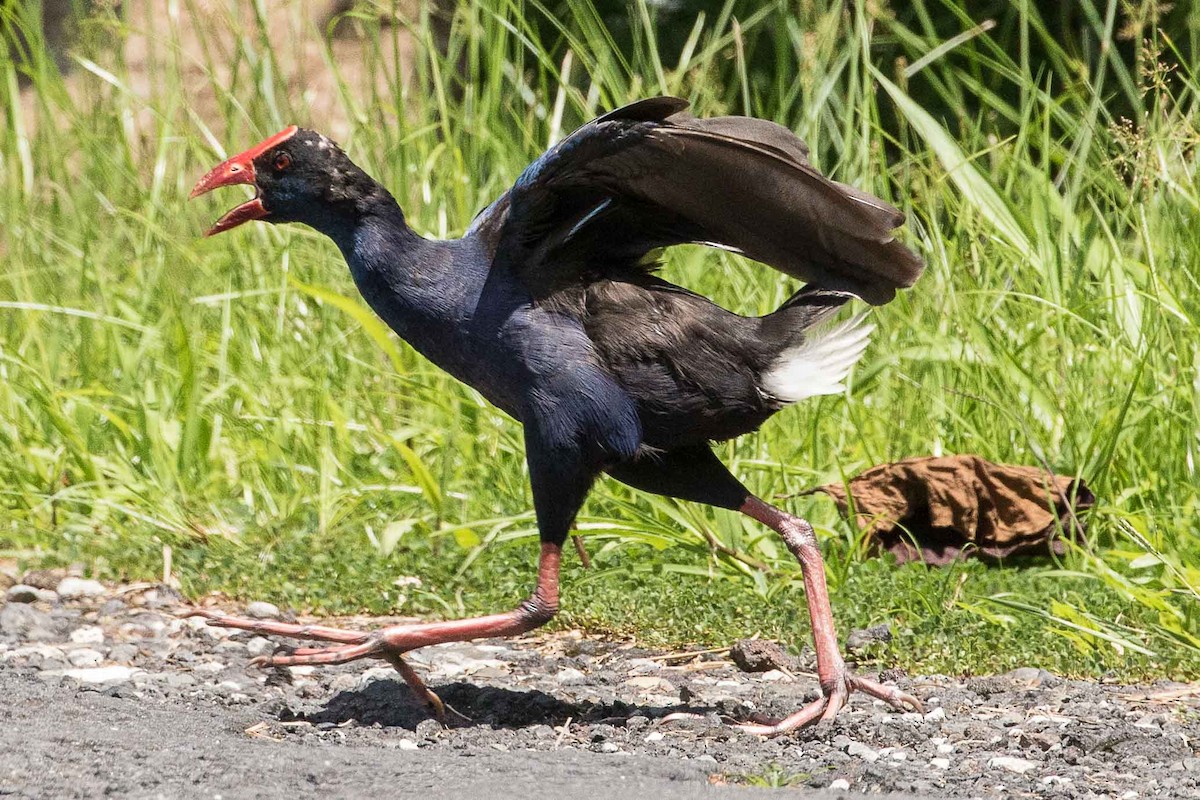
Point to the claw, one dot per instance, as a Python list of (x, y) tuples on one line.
[(824, 708)]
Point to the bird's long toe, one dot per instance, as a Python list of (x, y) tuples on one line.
[(265, 627), (823, 708), (889, 694), (311, 656)]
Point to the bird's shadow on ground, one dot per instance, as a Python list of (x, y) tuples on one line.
[(392, 704)]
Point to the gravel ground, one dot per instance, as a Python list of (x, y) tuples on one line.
[(125, 699)]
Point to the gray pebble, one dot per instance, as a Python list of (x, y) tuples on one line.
[(260, 646), (863, 638), (180, 679), (28, 623), (860, 750), (260, 609), (123, 653), (85, 657), (432, 729), (111, 608), (570, 677)]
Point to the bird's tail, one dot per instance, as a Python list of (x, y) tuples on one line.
[(813, 358)]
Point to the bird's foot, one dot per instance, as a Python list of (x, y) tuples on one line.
[(832, 700), (388, 644)]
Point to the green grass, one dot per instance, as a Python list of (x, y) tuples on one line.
[(231, 399)]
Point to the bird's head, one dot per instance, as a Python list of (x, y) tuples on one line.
[(298, 175)]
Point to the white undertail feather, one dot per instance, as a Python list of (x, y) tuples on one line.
[(820, 363)]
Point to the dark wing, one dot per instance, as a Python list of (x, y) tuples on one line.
[(650, 175)]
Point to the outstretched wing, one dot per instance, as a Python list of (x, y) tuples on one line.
[(650, 175)]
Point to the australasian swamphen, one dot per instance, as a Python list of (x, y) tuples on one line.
[(549, 306)]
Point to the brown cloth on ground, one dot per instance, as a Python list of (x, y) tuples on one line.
[(935, 509)]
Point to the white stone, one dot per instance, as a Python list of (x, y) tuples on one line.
[(936, 714), (88, 634), (260, 609), (406, 744), (945, 749), (101, 674), (940, 763), (650, 683), (839, 785), (74, 588), (85, 657), (899, 755), (654, 736), (209, 666), (860, 750), (569, 676), (1012, 764), (47, 652), (260, 646)]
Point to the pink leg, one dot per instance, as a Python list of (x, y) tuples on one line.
[(836, 680), (391, 643)]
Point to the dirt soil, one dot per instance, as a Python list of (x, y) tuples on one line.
[(107, 692)]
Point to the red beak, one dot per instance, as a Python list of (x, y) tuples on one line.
[(239, 169)]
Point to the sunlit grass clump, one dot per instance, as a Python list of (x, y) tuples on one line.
[(233, 400)]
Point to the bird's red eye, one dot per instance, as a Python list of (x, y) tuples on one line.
[(282, 161)]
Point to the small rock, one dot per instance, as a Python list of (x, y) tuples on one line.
[(936, 714), (123, 653), (42, 656), (24, 593), (88, 634), (940, 763), (111, 608), (432, 729), (860, 750), (654, 736), (1012, 764), (85, 657), (644, 666), (1025, 675), (43, 578), (839, 785), (862, 639), (609, 747), (406, 744), (100, 674), (569, 676), (75, 588), (650, 683), (211, 667), (26, 622), (760, 655), (260, 609), (945, 749), (180, 680)]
